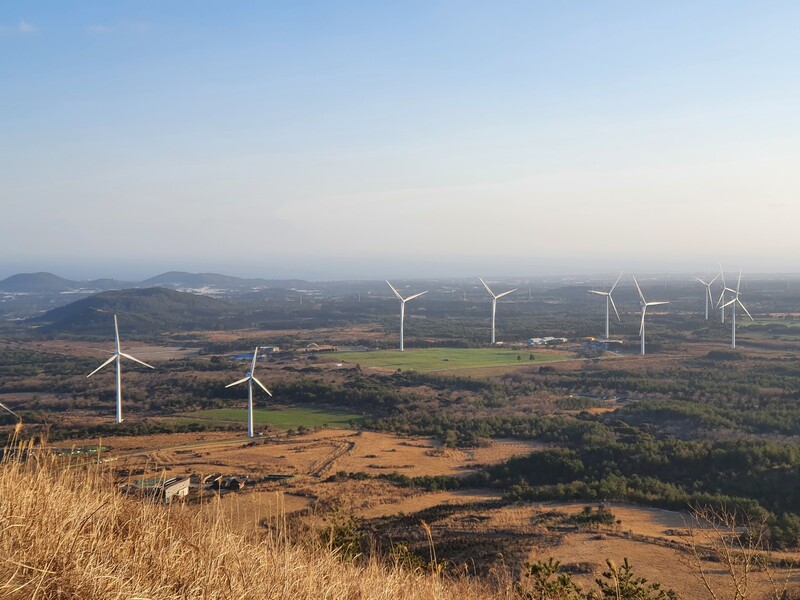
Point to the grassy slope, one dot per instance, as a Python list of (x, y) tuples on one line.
[(443, 359), (285, 418), (70, 533)]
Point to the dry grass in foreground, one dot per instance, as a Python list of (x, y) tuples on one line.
[(70, 533)]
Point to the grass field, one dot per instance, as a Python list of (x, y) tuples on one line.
[(285, 417), (444, 359)]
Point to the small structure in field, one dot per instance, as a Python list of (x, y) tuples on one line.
[(164, 490)]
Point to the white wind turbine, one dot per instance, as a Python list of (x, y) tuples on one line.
[(118, 354), (403, 309), (495, 297), (609, 301), (644, 304), (725, 288), (709, 298), (250, 378), (732, 303)]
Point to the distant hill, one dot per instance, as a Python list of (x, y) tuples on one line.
[(181, 279), (47, 283), (141, 311), (36, 283), (199, 280)]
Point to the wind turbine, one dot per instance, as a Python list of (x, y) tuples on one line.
[(644, 304), (708, 290), (250, 378), (118, 354), (733, 304), (725, 288), (495, 297), (609, 301), (403, 308)]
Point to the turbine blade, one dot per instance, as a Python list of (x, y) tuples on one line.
[(728, 303), (255, 356), (703, 282), (721, 298), (715, 278), (744, 308), (506, 293), (108, 362), (396, 293), (415, 296), (641, 295), (722, 275), (615, 283), (641, 326), (656, 303), (738, 282), (614, 306), (488, 289), (3, 406), (263, 387), (116, 333), (242, 380), (136, 360), (598, 293)]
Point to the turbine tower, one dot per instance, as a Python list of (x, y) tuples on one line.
[(709, 299), (118, 354), (733, 304), (495, 297), (403, 308), (644, 304), (725, 288), (609, 301), (250, 378)]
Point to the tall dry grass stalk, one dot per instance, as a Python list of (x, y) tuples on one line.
[(70, 533)]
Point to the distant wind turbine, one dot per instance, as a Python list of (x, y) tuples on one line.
[(117, 356), (732, 303), (609, 301), (250, 378), (403, 309), (644, 304), (709, 298), (725, 288), (495, 297)]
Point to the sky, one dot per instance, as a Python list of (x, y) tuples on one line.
[(343, 139)]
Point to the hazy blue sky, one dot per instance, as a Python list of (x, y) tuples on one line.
[(356, 139)]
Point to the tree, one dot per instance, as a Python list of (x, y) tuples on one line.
[(544, 582), (737, 541), (620, 583)]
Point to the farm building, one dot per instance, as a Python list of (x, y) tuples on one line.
[(164, 490), (546, 341)]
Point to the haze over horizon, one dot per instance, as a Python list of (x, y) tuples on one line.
[(361, 140)]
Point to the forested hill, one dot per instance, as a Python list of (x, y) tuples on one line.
[(140, 311)]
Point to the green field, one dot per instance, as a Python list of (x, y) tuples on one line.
[(284, 417), (444, 359)]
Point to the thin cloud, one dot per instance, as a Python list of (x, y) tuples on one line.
[(26, 28)]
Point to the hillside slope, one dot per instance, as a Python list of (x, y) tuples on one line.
[(141, 311), (70, 533)]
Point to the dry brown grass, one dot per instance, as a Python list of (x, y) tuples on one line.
[(69, 533)]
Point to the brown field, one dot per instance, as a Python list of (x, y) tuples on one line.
[(318, 454), (647, 537)]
